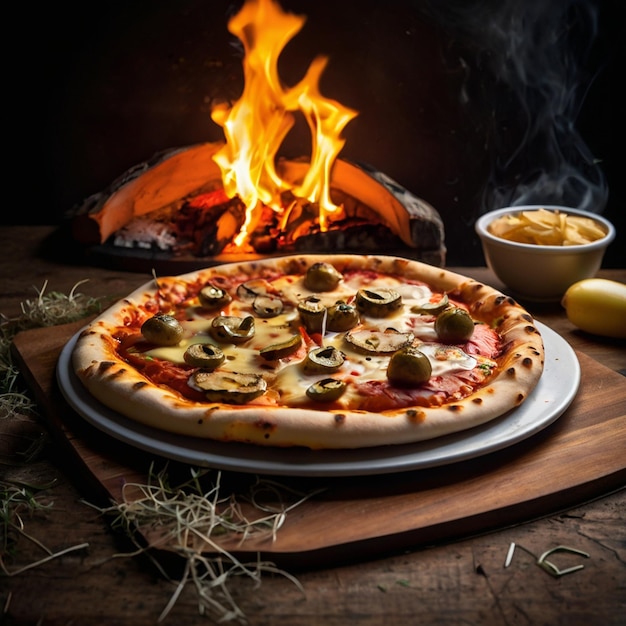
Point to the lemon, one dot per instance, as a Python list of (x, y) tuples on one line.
[(597, 306)]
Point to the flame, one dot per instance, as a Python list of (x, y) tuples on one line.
[(256, 125)]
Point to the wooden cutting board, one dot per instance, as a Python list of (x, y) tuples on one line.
[(580, 456)]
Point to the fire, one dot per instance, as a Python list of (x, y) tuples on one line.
[(256, 125)]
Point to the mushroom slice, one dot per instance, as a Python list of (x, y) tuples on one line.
[(283, 349), (232, 329), (342, 317), (249, 290), (379, 341), (204, 355), (267, 306), (378, 302), (326, 359), (326, 390), (212, 297), (312, 313), (230, 387)]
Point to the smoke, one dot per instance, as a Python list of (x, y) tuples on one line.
[(526, 63)]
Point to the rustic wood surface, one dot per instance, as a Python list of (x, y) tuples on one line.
[(456, 581), (572, 459)]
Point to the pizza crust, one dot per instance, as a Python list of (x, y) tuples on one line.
[(118, 386)]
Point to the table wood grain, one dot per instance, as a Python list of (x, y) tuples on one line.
[(461, 580)]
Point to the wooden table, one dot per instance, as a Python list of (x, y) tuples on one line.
[(461, 579)]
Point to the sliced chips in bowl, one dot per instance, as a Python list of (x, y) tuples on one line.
[(547, 228), (539, 251)]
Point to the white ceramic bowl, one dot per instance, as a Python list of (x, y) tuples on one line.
[(541, 272)]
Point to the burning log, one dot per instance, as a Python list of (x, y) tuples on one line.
[(176, 203)]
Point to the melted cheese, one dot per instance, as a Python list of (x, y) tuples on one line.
[(445, 359), (292, 382), (288, 376)]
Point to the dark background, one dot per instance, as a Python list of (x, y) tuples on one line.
[(469, 105)]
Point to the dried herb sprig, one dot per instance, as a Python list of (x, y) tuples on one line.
[(188, 519), (12, 400), (48, 309), (17, 499), (542, 560), (56, 308)]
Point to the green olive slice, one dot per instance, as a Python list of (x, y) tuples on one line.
[(232, 329), (322, 277), (326, 359), (326, 390), (379, 341), (431, 308), (162, 329), (409, 367), (312, 313), (454, 325), (281, 350), (212, 297), (230, 387), (204, 355), (378, 302), (342, 317), (267, 306)]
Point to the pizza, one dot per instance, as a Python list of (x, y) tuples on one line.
[(320, 351)]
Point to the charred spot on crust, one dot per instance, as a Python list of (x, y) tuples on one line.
[(139, 385), (455, 408), (477, 400), (265, 425), (415, 416), (200, 421), (499, 300), (527, 317), (339, 418), (105, 366), (530, 330), (527, 362), (511, 371), (120, 372), (520, 398), (399, 265)]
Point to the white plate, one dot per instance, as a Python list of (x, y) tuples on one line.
[(551, 397)]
